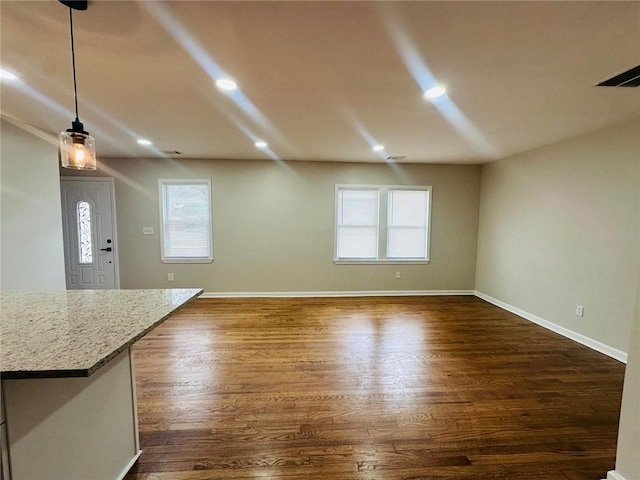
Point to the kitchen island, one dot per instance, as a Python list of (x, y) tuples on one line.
[(68, 383)]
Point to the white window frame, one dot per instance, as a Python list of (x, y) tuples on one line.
[(181, 182), (382, 225)]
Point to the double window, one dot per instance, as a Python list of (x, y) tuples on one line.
[(382, 223), (185, 210)]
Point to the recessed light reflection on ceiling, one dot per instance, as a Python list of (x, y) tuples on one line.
[(226, 84), (435, 92), (261, 144), (378, 148), (145, 142), (7, 75)]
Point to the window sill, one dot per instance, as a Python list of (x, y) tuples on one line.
[(381, 262), (186, 260)]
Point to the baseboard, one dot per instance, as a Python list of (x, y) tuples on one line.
[(565, 332), (129, 465), (613, 475), (365, 293)]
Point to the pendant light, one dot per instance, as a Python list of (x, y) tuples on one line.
[(77, 147)]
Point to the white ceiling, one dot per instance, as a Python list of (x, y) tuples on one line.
[(322, 80)]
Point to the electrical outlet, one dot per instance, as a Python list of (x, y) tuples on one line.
[(147, 230), (397, 274), (580, 310), (170, 277)]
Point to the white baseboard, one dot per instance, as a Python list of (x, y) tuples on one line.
[(129, 465), (565, 332), (366, 293), (613, 475)]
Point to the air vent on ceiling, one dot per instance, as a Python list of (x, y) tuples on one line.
[(171, 152), (397, 158), (630, 78)]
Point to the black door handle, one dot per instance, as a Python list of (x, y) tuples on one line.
[(108, 249)]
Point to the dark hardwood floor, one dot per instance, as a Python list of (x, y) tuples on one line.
[(392, 388)]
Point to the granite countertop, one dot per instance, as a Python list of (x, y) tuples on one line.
[(72, 333)]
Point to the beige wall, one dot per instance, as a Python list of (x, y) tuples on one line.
[(559, 227), (273, 226), (628, 457), (32, 255)]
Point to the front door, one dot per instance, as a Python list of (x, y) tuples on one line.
[(88, 227)]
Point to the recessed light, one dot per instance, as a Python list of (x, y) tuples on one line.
[(261, 144), (435, 92), (226, 84), (378, 148), (7, 75), (144, 142)]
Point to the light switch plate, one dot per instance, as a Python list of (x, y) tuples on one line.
[(147, 230)]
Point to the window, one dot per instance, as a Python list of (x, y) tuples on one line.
[(185, 209), (404, 214), (357, 223), (85, 242), (407, 224)]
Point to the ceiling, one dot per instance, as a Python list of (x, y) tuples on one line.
[(322, 80)]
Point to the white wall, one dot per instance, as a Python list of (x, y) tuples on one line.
[(32, 256), (559, 227)]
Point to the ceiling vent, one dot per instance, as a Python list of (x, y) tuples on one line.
[(172, 153), (630, 78), (397, 158)]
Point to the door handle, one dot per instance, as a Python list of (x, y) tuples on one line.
[(108, 249)]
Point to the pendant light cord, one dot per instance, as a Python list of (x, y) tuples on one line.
[(73, 63)]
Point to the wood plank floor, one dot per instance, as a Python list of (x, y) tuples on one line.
[(410, 388)]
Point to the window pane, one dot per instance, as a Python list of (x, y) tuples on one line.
[(186, 220), (85, 240), (186, 240), (406, 242), (357, 223), (358, 207), (357, 242), (407, 224), (408, 207)]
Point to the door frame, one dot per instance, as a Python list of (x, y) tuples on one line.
[(110, 182)]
